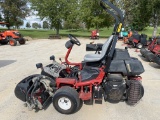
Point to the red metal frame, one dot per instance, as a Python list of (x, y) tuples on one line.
[(139, 78), (68, 62), (79, 84), (135, 41), (154, 47)]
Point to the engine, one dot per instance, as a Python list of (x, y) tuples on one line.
[(114, 88), (35, 90)]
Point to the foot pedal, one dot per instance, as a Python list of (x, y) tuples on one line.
[(88, 102), (98, 101)]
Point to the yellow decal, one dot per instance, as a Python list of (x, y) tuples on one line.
[(119, 27)]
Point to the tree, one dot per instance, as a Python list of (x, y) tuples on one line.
[(155, 19), (39, 25), (45, 25), (54, 11), (35, 25), (28, 25), (19, 22), (14, 11), (1, 19), (137, 13), (72, 25), (93, 15), (141, 14)]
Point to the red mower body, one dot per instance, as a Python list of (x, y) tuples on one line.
[(11, 37), (94, 34), (153, 50)]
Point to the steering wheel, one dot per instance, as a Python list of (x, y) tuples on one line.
[(74, 39)]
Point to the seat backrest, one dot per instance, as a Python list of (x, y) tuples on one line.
[(105, 46)]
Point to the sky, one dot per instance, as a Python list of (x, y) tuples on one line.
[(31, 19)]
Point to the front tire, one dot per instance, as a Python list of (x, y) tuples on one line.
[(66, 100), (12, 42), (139, 45)]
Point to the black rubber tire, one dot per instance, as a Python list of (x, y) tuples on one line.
[(139, 46), (157, 60), (22, 41), (70, 94), (150, 56), (4, 42), (12, 42), (143, 51), (135, 92)]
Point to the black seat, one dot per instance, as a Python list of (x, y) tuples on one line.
[(98, 57), (89, 73)]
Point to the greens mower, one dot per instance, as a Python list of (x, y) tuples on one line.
[(106, 75), (137, 40), (153, 51)]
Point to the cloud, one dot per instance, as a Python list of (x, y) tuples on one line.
[(32, 18)]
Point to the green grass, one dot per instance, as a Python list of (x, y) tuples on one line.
[(79, 33), (105, 32), (149, 30)]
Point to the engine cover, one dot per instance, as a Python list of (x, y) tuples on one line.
[(54, 69), (114, 88)]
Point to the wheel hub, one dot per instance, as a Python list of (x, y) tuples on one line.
[(64, 103)]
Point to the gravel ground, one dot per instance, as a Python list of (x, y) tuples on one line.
[(19, 62)]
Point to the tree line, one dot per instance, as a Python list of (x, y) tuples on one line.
[(45, 25), (75, 14)]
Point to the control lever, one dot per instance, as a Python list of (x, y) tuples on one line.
[(39, 65), (60, 60), (52, 58)]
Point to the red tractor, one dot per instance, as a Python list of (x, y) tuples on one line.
[(11, 37), (106, 75)]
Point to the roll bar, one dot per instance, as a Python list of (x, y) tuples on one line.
[(119, 18), (112, 13), (114, 8), (118, 25)]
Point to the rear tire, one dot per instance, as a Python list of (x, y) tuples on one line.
[(66, 100), (4, 42), (12, 42), (134, 93), (22, 41), (139, 45)]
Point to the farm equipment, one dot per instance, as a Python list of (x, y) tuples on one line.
[(106, 75), (94, 34), (157, 59), (137, 40), (123, 34), (125, 39), (153, 51), (11, 37)]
